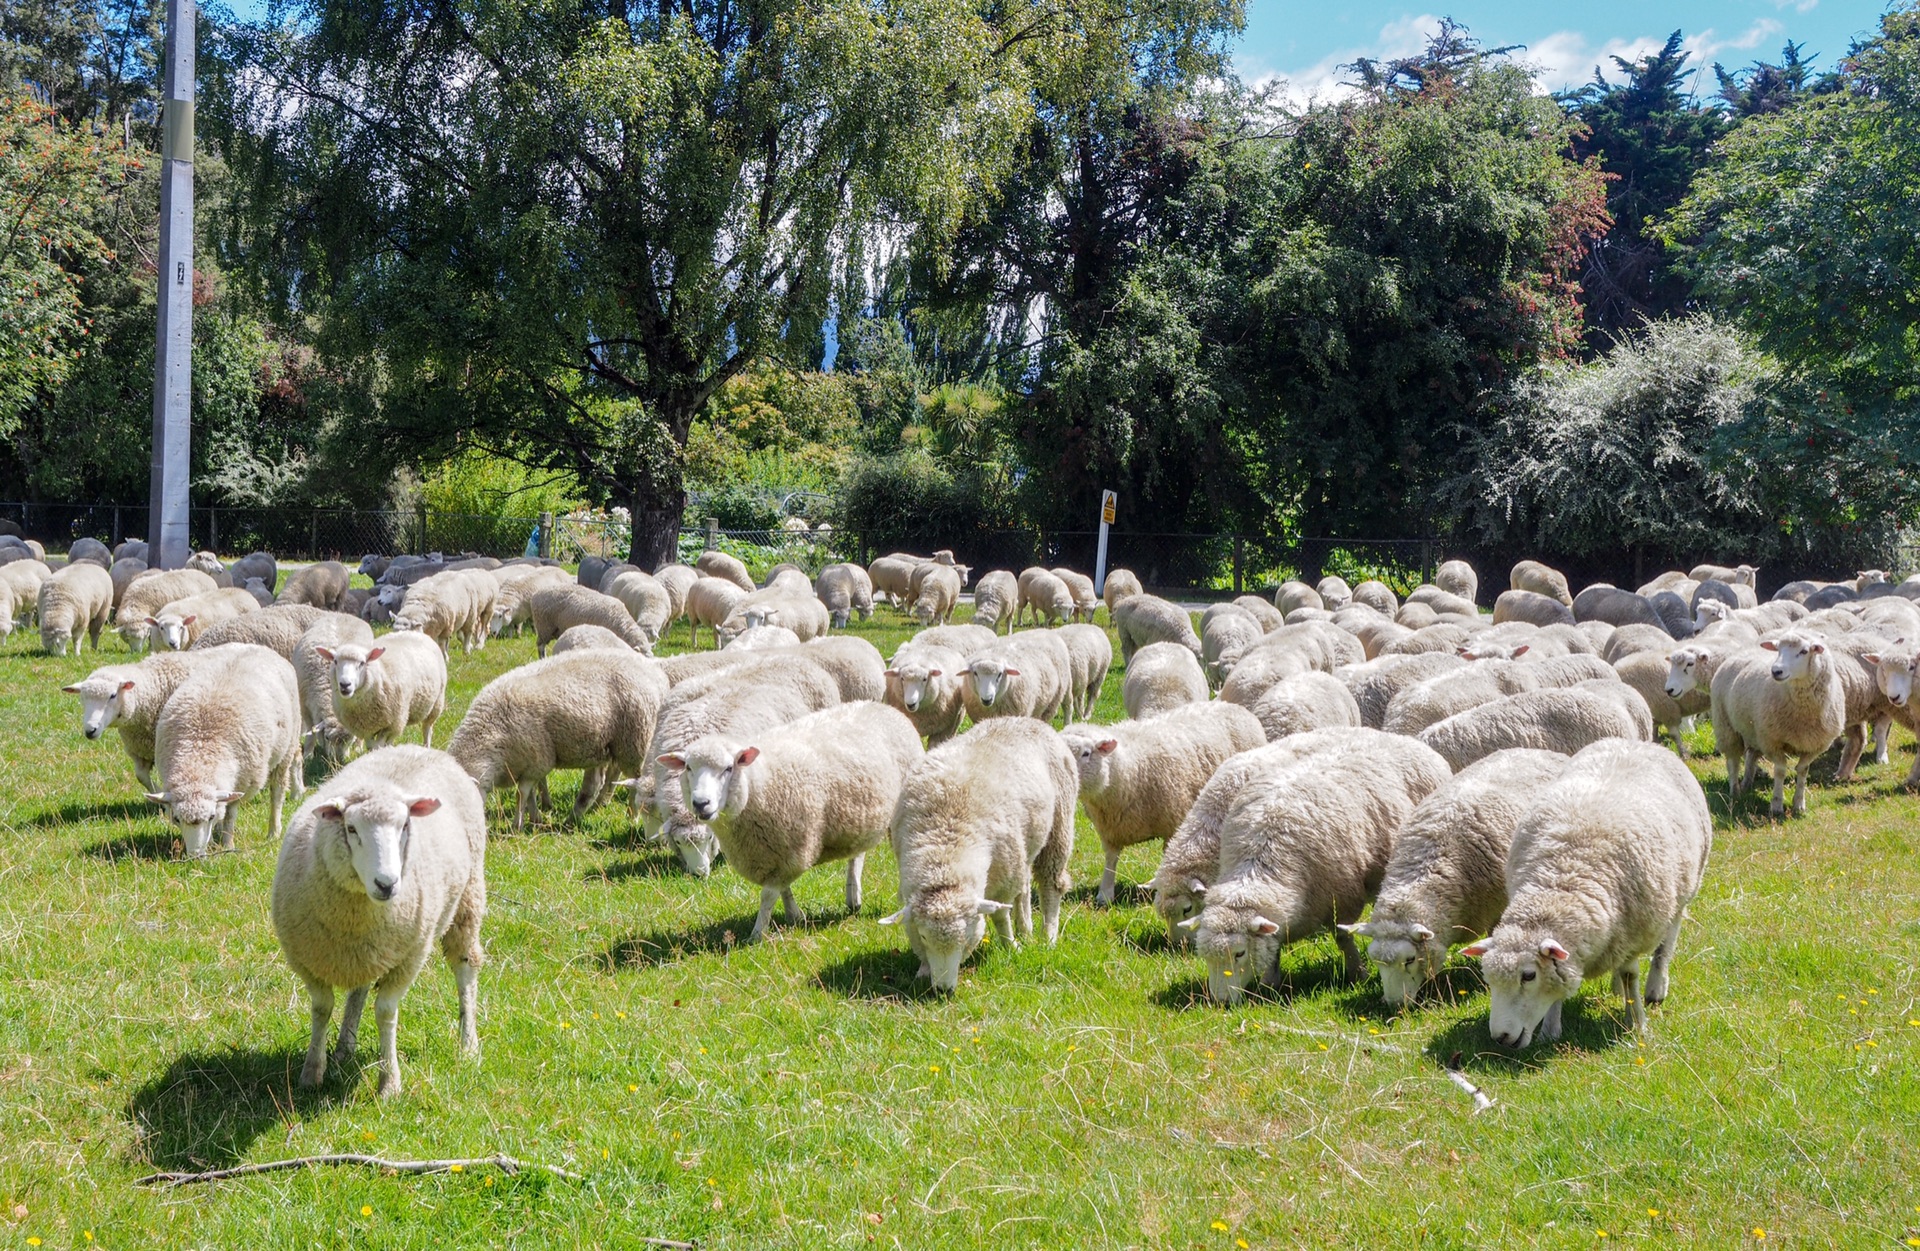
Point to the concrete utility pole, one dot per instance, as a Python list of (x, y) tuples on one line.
[(173, 346)]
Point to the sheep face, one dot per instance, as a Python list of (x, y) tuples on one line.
[(195, 811), (1708, 611), (1239, 944), (378, 834), (1177, 908), (911, 685), (990, 679), (1093, 755), (1527, 980), (1682, 670), (1893, 671), (169, 632), (352, 666), (688, 836), (402, 621), (1794, 656), (715, 777), (55, 640), (944, 940), (1407, 953), (102, 702)]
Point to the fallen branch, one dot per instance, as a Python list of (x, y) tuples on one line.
[(505, 1163), (1481, 1100)]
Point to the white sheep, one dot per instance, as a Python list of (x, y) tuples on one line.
[(924, 682), (981, 821), (1160, 677), (716, 564), (678, 579), (1457, 577), (1646, 673), (455, 603), (178, 625), (1531, 575), (227, 732), (1120, 584), (76, 601), (128, 698), (1304, 702), (1895, 666), (936, 594), (1334, 592), (23, 578), (892, 576), (587, 638), (1303, 850), (1089, 656), (1785, 700), (1080, 589), (1562, 719), (322, 585), (556, 609), (1378, 596), (1043, 594), (810, 792), (1374, 683), (710, 602), (965, 639), (278, 627), (1142, 619), (1732, 575), (320, 728), (1293, 595), (1138, 779), (649, 602), (1867, 706), (1531, 606), (1026, 675), (512, 606), (388, 860), (379, 692), (1600, 872), (1224, 637), (595, 711), (1446, 879), (996, 596), (846, 590)]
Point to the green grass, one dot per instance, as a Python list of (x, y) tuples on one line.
[(803, 1094)]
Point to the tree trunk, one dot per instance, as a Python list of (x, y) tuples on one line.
[(657, 500)]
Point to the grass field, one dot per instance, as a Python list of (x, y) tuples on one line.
[(801, 1093)]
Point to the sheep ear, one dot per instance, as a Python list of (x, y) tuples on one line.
[(187, 621), (157, 797), (933, 673), (232, 797), (1106, 746), (71, 690), (1872, 658), (1552, 950), (987, 907), (1196, 887), (1013, 673), (1521, 650), (747, 756), (1770, 645), (672, 764), (425, 806), (128, 685), (1263, 926), (891, 673), (1421, 933), (376, 654), (897, 917), (1191, 923), (1358, 928), (330, 809), (1476, 950), (153, 621), (324, 653), (1818, 648)]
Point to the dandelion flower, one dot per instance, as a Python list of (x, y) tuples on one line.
[(1221, 1226), (1653, 1212), (368, 1135), (1759, 1233), (934, 1068), (1323, 1046), (1601, 1232), (1241, 1243), (366, 1209), (621, 1015), (631, 1088), (565, 1025), (1913, 1242), (33, 1242), (1209, 1053), (1639, 1059), (456, 1168), (1372, 1030), (712, 1182), (487, 1181)]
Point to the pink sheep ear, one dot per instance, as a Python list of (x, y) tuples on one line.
[(153, 621), (1106, 746), (187, 621), (71, 690), (1013, 673), (1521, 650), (1552, 950), (1872, 658), (891, 673), (1770, 645), (672, 764), (1476, 950), (425, 806), (158, 797), (376, 654), (1818, 648), (933, 673), (329, 809), (324, 653), (127, 685), (747, 756), (1264, 927), (232, 797)]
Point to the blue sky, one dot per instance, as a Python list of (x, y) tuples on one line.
[(1305, 43)]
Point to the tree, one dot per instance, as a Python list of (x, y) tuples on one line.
[(560, 233), (1766, 87), (1650, 138)]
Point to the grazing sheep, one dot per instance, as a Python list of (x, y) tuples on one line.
[(1080, 588), (1456, 577), (1867, 706), (1646, 673), (76, 600), (1531, 575), (454, 603), (89, 551), (228, 731), (179, 625), (1286, 652), (1784, 701), (996, 597), (259, 565), (1442, 602), (586, 638), (1378, 596), (1442, 636), (595, 711), (846, 589), (803, 614), (1563, 719), (1306, 701), (123, 572), (1530, 606), (924, 682), (763, 637), (1334, 592), (981, 821), (1025, 675), (647, 601), (1089, 657), (1482, 682), (892, 576), (207, 563), (612, 571), (1600, 872), (379, 692), (789, 575), (965, 639), (130, 549), (556, 609), (277, 627), (1162, 677), (128, 698), (1615, 607), (936, 595), (1627, 640), (1142, 619), (323, 585), (710, 601), (1416, 616), (1374, 684), (1895, 665), (1138, 779), (387, 861), (1224, 637), (678, 579), (22, 578), (1304, 850), (810, 792), (1269, 617), (513, 601), (725, 567), (1446, 879), (1732, 575), (320, 728), (1290, 596), (1120, 583), (1043, 594)]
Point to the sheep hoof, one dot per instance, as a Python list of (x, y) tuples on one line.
[(312, 1074)]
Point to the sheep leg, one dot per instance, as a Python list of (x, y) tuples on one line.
[(426, 730), (855, 867), (276, 803), (1778, 807), (1850, 757), (790, 907), (227, 820), (1751, 771), (466, 975), (525, 799), (1110, 876), (386, 1014), (314, 1071), (143, 769), (1656, 991), (1003, 926), (1356, 969), (1913, 774), (1800, 786), (1882, 731), (1629, 982), (349, 1040), (769, 895), (1050, 896), (1023, 906), (593, 784)]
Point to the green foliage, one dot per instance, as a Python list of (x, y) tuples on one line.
[(739, 507), (1768, 87), (910, 498), (482, 483)]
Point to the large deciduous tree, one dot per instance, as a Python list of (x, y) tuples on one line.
[(560, 226)]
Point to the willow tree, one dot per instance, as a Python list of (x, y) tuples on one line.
[(559, 226)]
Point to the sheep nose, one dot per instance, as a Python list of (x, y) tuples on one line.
[(93, 731), (1779, 674), (702, 809), (383, 887)]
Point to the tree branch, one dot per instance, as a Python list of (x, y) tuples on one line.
[(505, 1163)]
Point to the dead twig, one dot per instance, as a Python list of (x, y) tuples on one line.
[(505, 1163), (1481, 1099)]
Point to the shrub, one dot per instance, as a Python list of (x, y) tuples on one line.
[(910, 499)]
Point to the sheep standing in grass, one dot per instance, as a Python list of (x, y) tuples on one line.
[(278, 626), (128, 698), (1555, 719), (323, 585), (76, 601), (1304, 702), (1446, 879), (810, 792), (1119, 585), (710, 601), (1161, 677), (846, 590), (123, 573), (1783, 701), (556, 609), (981, 821), (513, 601), (924, 682), (1531, 575), (1089, 656), (1224, 637), (381, 691), (678, 579), (1896, 665), (387, 861), (995, 597), (595, 711), (1142, 619), (648, 601), (1080, 589), (228, 731), (1600, 873), (587, 638), (456, 603), (1457, 577), (1027, 675), (727, 568), (320, 728), (938, 592), (1043, 594), (23, 578), (1375, 683), (1304, 850), (179, 625), (1138, 779), (967, 639)]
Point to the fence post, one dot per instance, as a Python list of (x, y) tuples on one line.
[(713, 533), (421, 541), (1239, 563), (213, 529), (116, 525), (313, 535), (546, 536)]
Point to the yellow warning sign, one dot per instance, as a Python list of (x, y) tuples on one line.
[(1108, 503)]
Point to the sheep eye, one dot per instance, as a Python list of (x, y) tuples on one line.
[(1410, 961), (1528, 976)]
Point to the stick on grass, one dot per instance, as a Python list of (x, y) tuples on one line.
[(505, 1163)]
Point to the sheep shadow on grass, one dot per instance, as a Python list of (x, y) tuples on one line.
[(882, 975), (663, 947), (660, 864), (83, 810), (209, 1108), (1295, 979), (1590, 1022), (150, 845)]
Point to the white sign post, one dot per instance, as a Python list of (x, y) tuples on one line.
[(1108, 502)]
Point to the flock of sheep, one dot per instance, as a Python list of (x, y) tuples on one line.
[(1483, 779)]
